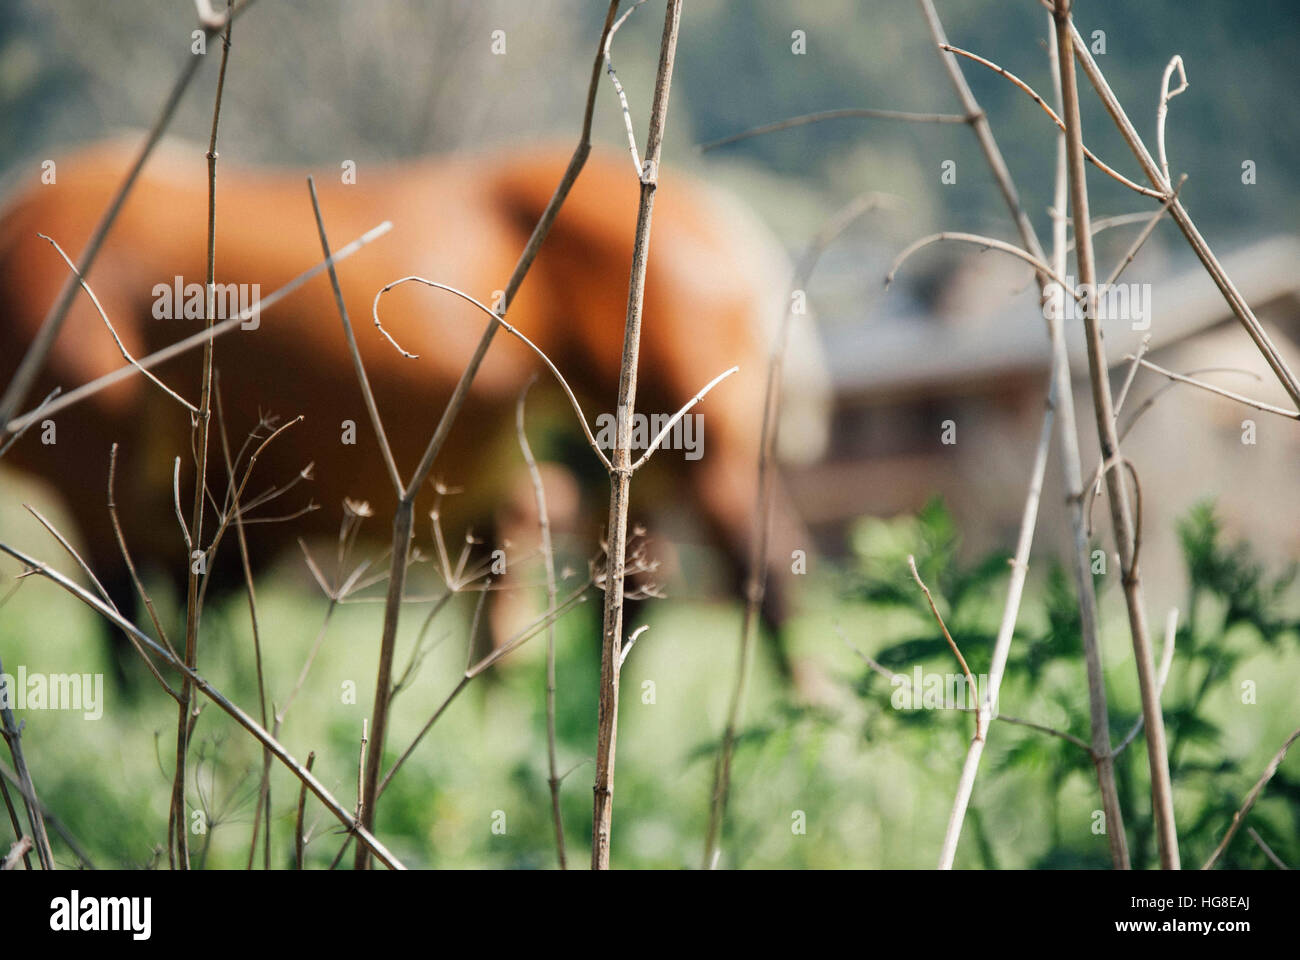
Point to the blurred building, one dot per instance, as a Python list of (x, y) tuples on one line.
[(979, 357)]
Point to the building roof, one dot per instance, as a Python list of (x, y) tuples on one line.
[(908, 350)]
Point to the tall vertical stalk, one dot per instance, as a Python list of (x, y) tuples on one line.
[(179, 851), (621, 472), (1113, 465), (404, 514), (1061, 400)]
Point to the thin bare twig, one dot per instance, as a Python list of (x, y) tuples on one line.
[(1162, 112), (404, 515), (1236, 302), (1268, 851), (364, 381), (299, 840), (1103, 407), (548, 558), (1016, 81), (952, 644), (52, 405), (618, 87), (126, 354), (1219, 391), (215, 696), (37, 352), (1251, 797), (564, 384), (821, 115), (13, 737), (621, 471), (980, 241), (178, 829)]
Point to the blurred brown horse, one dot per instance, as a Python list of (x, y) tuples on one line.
[(715, 291)]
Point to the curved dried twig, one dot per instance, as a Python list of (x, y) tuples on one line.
[(978, 240), (564, 384), (1162, 112), (126, 354), (1091, 157)]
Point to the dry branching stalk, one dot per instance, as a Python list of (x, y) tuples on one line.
[(404, 514), (621, 472), (178, 828), (1231, 295), (1060, 406), (13, 737), (7, 776), (902, 680), (35, 357), (200, 684), (1103, 407), (53, 404)]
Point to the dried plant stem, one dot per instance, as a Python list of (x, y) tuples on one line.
[(1103, 407), (756, 587), (214, 695), (987, 708), (1061, 400), (821, 115), (13, 737), (178, 833), (1236, 302), (1251, 797), (263, 807), (1072, 470), (952, 644), (548, 558), (34, 359), (53, 405), (19, 836), (621, 473), (1219, 391), (477, 668), (1268, 851), (51, 821), (299, 840), (403, 516), (1017, 82), (362, 379)]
